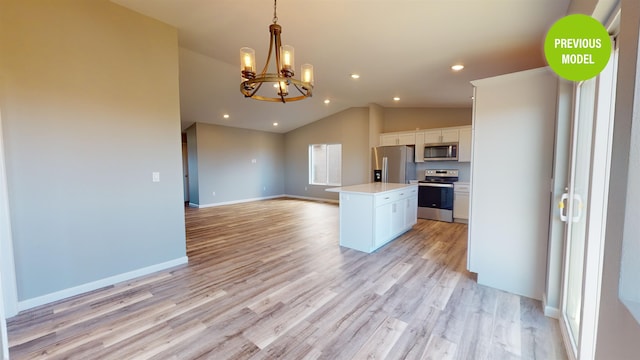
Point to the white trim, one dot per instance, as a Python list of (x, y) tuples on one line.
[(569, 346), (549, 311), (312, 198), (200, 206), (8, 269), (94, 285), (236, 201)]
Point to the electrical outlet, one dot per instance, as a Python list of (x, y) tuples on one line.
[(155, 176), (213, 193)]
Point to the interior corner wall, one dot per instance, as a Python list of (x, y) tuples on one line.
[(409, 119), (90, 106), (235, 164), (618, 332), (376, 124), (349, 128)]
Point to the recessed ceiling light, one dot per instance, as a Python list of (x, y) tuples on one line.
[(396, 99), (457, 67), (226, 116), (275, 124), (355, 76), (327, 101)]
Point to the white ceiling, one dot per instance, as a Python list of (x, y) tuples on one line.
[(400, 48)]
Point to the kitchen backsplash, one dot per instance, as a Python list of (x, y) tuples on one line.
[(464, 169)]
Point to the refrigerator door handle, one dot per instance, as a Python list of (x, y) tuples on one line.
[(385, 169)]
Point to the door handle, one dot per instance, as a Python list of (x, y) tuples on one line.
[(562, 206), (577, 199)]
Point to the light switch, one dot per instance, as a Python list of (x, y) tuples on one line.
[(155, 176)]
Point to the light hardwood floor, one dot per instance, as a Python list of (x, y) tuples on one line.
[(268, 280)]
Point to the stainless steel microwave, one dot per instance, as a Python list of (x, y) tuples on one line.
[(440, 152)]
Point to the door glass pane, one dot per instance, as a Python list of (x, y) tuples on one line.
[(578, 204), (334, 164)]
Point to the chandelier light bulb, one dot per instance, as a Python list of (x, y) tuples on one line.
[(287, 58), (307, 73), (247, 62), (283, 89)]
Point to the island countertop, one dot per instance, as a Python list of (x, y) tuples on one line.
[(371, 188)]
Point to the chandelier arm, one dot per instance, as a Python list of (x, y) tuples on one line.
[(278, 43), (256, 89), (306, 93), (266, 64)]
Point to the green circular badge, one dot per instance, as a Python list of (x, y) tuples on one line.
[(577, 47)]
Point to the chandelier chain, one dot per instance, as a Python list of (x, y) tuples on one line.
[(275, 16)]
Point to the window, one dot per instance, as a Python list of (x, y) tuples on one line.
[(325, 164)]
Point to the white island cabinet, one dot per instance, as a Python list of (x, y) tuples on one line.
[(373, 214)]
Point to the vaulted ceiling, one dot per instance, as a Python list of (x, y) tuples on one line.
[(402, 48)]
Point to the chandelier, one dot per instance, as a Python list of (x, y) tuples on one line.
[(282, 79)]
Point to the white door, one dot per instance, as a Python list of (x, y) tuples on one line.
[(586, 211)]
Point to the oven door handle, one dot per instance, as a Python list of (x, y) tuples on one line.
[(436, 185)]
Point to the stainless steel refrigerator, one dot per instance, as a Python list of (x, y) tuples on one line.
[(394, 164)]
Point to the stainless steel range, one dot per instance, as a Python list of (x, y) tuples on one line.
[(435, 195)]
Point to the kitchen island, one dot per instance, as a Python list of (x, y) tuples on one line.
[(373, 214)]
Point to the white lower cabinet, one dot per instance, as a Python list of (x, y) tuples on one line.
[(461, 202), (383, 214), (370, 220)]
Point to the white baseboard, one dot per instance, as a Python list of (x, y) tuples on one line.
[(261, 198), (94, 285), (312, 198), (237, 201), (549, 311)]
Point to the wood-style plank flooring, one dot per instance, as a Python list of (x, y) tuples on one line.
[(268, 280)]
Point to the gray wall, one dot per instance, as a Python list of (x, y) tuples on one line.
[(618, 331), (349, 128), (89, 95), (405, 119), (225, 163)]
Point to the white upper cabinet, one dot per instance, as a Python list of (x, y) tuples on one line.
[(464, 144), (388, 139), (459, 134), (449, 135), (399, 138), (407, 138), (441, 136)]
